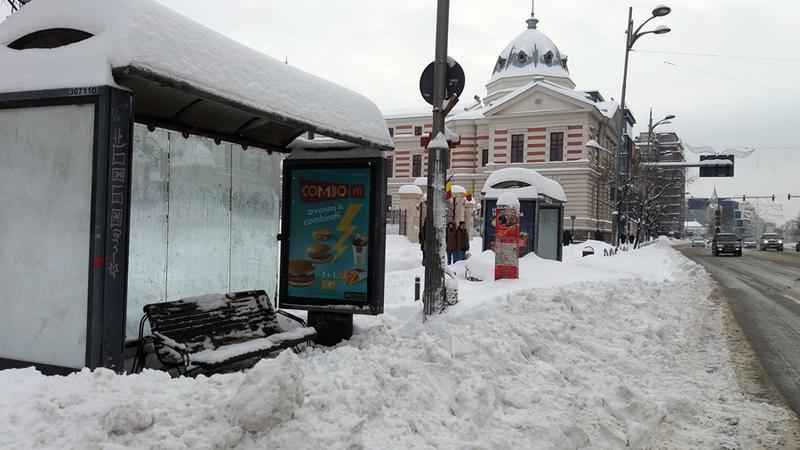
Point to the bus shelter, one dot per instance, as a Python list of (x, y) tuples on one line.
[(541, 210), (141, 162)]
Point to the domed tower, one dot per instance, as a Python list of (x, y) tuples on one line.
[(529, 55)]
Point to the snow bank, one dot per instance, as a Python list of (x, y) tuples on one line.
[(595, 353)]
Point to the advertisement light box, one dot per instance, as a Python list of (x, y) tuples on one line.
[(333, 237)]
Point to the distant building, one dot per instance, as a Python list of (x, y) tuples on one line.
[(667, 147), (532, 117)]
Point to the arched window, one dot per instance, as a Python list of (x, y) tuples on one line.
[(50, 38)]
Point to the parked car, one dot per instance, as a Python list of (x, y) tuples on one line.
[(726, 243), (749, 244), (771, 240), (698, 242)]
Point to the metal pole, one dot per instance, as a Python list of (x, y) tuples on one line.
[(433, 297), (618, 156)]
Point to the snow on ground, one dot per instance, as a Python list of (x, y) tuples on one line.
[(595, 352)]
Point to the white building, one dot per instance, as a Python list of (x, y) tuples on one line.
[(532, 116)]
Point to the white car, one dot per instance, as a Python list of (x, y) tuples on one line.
[(698, 242)]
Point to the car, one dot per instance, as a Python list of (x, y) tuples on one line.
[(749, 244), (726, 243), (698, 242), (771, 240)]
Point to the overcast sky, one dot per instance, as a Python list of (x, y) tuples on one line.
[(749, 99)]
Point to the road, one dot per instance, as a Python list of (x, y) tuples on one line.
[(763, 289)]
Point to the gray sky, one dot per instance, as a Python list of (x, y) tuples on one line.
[(379, 48)]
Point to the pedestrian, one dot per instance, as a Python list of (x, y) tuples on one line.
[(452, 242), (422, 239), (598, 235), (631, 239), (623, 238), (463, 241), (567, 238)]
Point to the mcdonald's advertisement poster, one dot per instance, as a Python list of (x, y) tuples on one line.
[(329, 234)]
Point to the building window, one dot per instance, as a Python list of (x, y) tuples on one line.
[(557, 146), (390, 167), (517, 143), (446, 159), (391, 131), (484, 157), (416, 166), (388, 201), (417, 131)]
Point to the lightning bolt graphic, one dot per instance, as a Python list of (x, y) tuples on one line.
[(346, 229)]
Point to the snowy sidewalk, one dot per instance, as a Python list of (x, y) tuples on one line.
[(625, 351)]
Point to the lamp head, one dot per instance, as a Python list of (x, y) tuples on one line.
[(669, 117), (661, 11), (661, 29)]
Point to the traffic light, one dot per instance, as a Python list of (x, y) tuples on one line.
[(773, 197), (716, 171), (744, 198)]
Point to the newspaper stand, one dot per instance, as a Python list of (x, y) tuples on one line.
[(541, 221)]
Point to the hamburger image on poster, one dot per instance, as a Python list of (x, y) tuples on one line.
[(319, 253), (301, 273)]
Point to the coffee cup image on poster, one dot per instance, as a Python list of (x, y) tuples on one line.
[(329, 234)]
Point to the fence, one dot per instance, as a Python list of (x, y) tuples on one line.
[(396, 221)]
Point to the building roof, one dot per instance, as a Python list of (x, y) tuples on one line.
[(607, 109), (182, 73), (530, 53)]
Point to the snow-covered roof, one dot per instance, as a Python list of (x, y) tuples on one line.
[(530, 53), (532, 184), (604, 108), (692, 224), (410, 189), (420, 181), (148, 48)]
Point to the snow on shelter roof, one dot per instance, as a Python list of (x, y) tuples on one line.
[(527, 184), (184, 76)]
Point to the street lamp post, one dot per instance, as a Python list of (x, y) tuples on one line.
[(631, 37)]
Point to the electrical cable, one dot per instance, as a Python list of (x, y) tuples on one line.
[(715, 55), (732, 79)]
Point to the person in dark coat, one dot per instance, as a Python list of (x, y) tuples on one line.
[(598, 235), (422, 239), (567, 238), (463, 241), (452, 242)]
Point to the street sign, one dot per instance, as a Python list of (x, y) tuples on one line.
[(455, 81), (717, 171)]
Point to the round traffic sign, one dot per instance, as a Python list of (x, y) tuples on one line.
[(453, 86)]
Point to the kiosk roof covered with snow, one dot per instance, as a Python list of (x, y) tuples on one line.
[(184, 76), (525, 183)]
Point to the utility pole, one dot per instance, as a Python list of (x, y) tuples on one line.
[(433, 298)]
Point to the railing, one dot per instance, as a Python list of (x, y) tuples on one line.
[(396, 221)]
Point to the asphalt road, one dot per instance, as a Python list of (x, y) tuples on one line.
[(763, 289)]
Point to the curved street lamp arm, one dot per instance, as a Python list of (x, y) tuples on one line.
[(636, 34)]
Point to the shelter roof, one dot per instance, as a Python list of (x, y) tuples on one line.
[(184, 76)]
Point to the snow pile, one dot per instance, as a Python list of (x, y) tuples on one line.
[(268, 394), (594, 353)]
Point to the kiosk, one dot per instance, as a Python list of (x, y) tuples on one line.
[(541, 210), (141, 163)]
